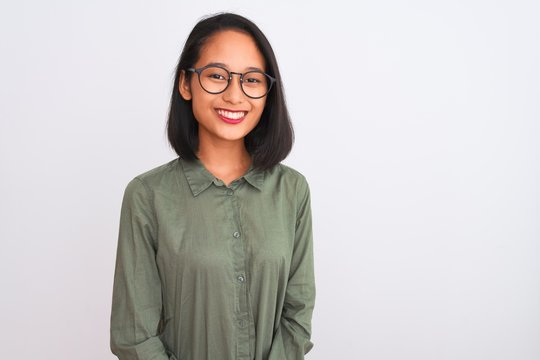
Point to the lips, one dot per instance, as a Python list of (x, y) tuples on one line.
[(231, 116)]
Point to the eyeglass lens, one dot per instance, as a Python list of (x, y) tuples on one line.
[(215, 79)]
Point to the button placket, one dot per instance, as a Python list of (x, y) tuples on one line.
[(242, 292), (242, 323)]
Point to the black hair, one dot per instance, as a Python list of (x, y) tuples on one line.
[(272, 139)]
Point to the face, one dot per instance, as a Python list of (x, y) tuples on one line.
[(230, 115)]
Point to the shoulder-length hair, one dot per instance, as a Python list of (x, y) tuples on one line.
[(272, 139)]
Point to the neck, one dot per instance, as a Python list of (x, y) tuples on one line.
[(223, 155)]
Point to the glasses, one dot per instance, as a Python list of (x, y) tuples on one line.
[(216, 79)]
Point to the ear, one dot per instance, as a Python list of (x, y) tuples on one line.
[(183, 86)]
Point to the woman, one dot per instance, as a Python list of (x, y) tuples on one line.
[(215, 252)]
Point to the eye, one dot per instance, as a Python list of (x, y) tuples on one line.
[(253, 80), (216, 76)]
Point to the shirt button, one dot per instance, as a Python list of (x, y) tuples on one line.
[(236, 234), (229, 192), (241, 323), (241, 278)]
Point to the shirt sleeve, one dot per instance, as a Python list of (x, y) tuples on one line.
[(137, 300), (292, 339)]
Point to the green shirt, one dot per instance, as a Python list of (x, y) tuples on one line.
[(206, 271)]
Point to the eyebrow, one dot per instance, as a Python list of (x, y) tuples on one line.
[(225, 66)]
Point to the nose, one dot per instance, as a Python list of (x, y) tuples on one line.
[(234, 93)]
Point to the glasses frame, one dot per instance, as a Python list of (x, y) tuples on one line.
[(231, 73)]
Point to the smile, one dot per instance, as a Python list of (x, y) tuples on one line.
[(231, 117)]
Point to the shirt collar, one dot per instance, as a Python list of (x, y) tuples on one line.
[(199, 179)]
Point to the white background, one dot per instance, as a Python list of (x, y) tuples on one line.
[(417, 125)]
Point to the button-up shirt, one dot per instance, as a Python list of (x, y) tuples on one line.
[(206, 271)]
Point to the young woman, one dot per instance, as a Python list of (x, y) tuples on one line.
[(215, 252)]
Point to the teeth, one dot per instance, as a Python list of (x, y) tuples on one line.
[(232, 115)]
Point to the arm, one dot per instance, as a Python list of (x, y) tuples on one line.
[(292, 339), (136, 303)]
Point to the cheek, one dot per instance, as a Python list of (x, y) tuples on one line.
[(201, 107), (259, 108), (257, 112)]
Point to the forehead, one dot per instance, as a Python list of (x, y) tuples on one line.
[(233, 48)]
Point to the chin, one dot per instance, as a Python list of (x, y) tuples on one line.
[(233, 137)]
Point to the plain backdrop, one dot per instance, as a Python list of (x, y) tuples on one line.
[(417, 126)]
